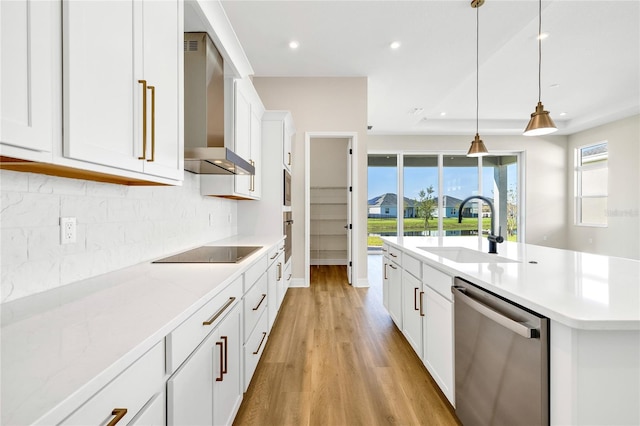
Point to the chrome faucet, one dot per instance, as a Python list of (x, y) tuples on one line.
[(493, 239)]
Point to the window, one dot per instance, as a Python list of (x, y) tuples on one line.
[(382, 201), (591, 184)]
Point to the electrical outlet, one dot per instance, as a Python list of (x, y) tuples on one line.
[(67, 230)]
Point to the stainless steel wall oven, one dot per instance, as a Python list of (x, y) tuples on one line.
[(287, 222)]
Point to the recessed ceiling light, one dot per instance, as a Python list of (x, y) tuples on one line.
[(395, 45), (542, 36), (294, 44), (563, 114), (443, 113), (554, 85)]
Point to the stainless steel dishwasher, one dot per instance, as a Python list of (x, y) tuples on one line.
[(501, 360)]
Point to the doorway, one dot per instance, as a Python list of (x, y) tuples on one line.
[(329, 191)]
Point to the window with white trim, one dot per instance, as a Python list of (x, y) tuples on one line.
[(591, 184)]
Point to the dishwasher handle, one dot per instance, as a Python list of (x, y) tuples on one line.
[(517, 327)]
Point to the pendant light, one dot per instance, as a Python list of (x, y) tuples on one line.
[(540, 123), (477, 148)]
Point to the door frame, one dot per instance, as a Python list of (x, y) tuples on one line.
[(352, 138)]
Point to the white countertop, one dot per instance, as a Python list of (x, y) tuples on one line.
[(580, 290), (60, 346)]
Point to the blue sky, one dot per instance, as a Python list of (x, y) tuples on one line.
[(459, 182)]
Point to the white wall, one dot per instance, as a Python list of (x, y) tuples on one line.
[(329, 162), (117, 226), (319, 104), (545, 162), (622, 235)]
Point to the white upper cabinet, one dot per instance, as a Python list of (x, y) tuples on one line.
[(242, 134), (30, 45), (122, 67)]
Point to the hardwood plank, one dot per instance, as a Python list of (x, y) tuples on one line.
[(334, 357)]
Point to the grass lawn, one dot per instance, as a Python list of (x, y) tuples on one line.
[(376, 226)]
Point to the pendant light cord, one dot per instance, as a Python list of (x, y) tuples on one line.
[(539, 50), (477, 65)]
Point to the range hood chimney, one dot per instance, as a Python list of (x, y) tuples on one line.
[(205, 151)]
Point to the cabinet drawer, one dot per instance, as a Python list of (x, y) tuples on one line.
[(412, 266), (184, 339), (395, 255), (254, 347), (255, 302), (273, 253), (439, 281), (131, 390), (252, 274)]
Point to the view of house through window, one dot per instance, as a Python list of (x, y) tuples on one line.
[(592, 184), (382, 198), (430, 206)]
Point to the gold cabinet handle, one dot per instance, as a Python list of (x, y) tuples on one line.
[(119, 413), (153, 122), (384, 250), (221, 376), (289, 161), (385, 272), (392, 255), (220, 311), (274, 256), (421, 305), (252, 180), (279, 271), (415, 299), (144, 119), (289, 277), (393, 267), (264, 334), (226, 346), (260, 302)]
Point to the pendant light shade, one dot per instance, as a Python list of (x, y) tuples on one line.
[(540, 123), (477, 148)]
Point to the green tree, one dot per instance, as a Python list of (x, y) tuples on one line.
[(426, 205)]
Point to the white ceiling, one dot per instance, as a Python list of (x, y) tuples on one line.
[(592, 54)]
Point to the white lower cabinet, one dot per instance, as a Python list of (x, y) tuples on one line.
[(206, 389), (129, 394), (412, 311), (254, 347), (153, 413), (276, 287), (438, 340), (395, 293)]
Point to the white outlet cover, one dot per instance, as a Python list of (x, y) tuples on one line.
[(67, 230)]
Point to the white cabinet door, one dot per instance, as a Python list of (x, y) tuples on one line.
[(438, 340), (385, 281), (287, 160), (412, 311), (206, 389), (227, 386), (272, 290), (255, 187), (242, 135), (28, 73), (395, 293), (111, 112), (163, 64)]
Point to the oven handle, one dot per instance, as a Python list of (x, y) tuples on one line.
[(517, 327)]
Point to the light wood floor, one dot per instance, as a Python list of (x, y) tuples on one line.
[(334, 357)]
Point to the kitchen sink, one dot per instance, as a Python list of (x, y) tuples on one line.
[(465, 255)]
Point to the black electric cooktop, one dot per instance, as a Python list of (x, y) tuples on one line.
[(211, 254)]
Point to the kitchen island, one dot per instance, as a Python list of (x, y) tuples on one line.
[(592, 301)]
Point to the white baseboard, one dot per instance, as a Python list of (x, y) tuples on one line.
[(362, 282), (298, 282), (341, 262)]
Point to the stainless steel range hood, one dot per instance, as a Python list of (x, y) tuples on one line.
[(205, 151)]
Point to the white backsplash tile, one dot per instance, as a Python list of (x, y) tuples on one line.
[(117, 226)]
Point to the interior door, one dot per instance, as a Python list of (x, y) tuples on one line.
[(349, 218)]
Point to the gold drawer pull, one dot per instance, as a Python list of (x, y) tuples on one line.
[(289, 160), (252, 179), (221, 377), (144, 119), (393, 267), (279, 271), (274, 256), (153, 122), (289, 277), (385, 272), (421, 311), (264, 335), (226, 347), (220, 311), (260, 303), (119, 413), (415, 299), (392, 255)]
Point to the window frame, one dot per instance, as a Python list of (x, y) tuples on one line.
[(578, 188)]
